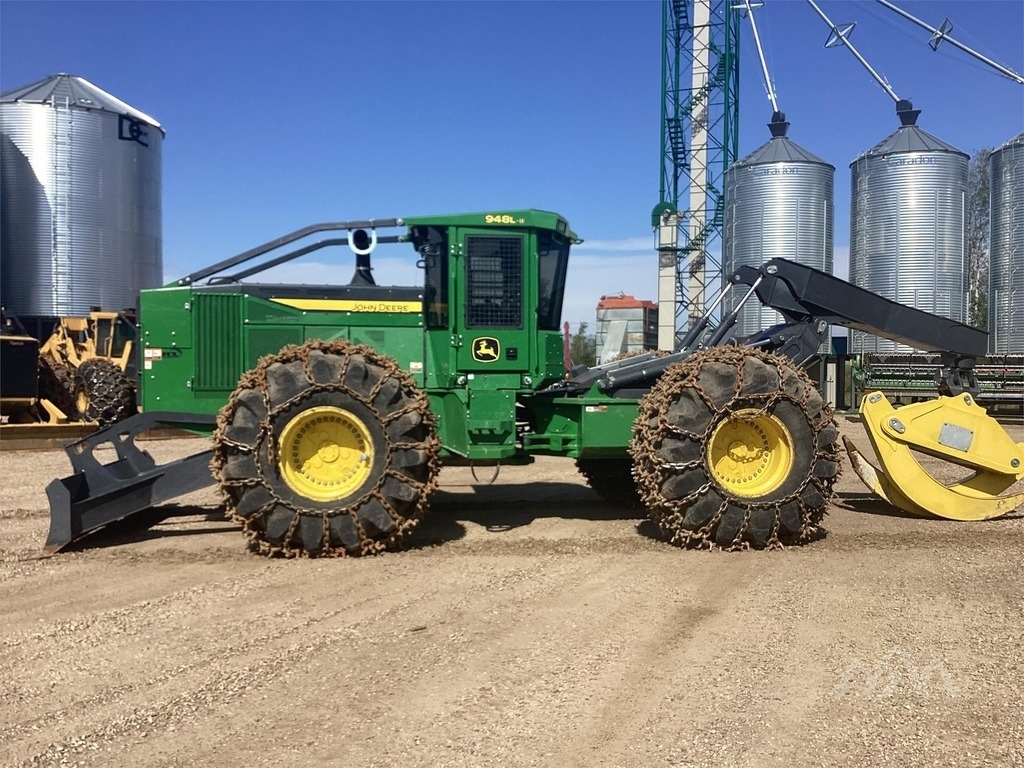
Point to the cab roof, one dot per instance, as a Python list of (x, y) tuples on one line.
[(498, 219)]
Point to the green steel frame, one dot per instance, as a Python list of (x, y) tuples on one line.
[(684, 109)]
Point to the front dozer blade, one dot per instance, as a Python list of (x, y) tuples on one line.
[(954, 429), (99, 494)]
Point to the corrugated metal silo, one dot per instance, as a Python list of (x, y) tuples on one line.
[(1006, 249), (907, 236), (779, 203), (80, 214)]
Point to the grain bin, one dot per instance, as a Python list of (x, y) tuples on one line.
[(779, 203), (1006, 249), (80, 215), (907, 235)]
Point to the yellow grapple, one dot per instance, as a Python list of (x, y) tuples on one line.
[(954, 429)]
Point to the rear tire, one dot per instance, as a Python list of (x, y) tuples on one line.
[(103, 393), (328, 449), (734, 448), (612, 479), (57, 384)]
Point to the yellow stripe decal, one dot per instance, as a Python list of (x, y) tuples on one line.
[(349, 305)]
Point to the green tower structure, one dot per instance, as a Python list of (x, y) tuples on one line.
[(699, 140)]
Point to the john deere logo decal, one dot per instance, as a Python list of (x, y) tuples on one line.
[(486, 349)]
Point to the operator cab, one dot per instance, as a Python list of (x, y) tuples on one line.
[(495, 284)]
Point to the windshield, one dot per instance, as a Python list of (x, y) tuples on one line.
[(553, 258)]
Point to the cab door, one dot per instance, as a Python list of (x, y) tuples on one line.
[(492, 293)]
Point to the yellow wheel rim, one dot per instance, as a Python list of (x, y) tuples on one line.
[(326, 453), (750, 453)]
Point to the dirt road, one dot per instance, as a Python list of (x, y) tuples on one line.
[(529, 624)]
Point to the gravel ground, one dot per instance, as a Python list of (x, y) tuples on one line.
[(528, 624)]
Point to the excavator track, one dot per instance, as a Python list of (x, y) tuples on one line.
[(734, 448)]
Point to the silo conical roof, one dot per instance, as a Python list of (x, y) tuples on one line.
[(910, 138), (1016, 141), (78, 92), (780, 149)]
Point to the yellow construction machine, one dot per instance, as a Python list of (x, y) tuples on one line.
[(83, 371)]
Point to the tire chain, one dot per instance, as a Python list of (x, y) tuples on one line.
[(57, 384), (256, 379), (652, 425), (111, 396)]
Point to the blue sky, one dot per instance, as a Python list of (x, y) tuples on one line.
[(280, 114)]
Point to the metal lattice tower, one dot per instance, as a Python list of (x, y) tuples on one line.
[(699, 140)]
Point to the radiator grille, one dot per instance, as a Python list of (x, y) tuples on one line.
[(218, 340)]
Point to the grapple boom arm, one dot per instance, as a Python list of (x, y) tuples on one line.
[(801, 292), (805, 294)]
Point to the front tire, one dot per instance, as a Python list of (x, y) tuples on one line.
[(327, 449), (734, 448), (103, 393)]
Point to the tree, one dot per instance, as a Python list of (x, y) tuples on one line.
[(583, 347), (976, 225)]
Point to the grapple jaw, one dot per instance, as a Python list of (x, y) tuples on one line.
[(954, 429)]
